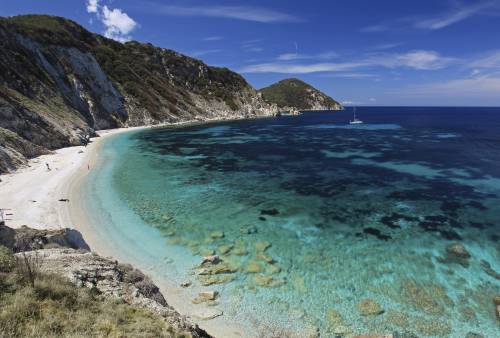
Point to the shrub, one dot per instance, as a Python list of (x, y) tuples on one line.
[(7, 260)]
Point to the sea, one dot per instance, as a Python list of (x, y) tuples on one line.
[(322, 227)]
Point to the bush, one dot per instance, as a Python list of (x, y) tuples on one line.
[(7, 260)]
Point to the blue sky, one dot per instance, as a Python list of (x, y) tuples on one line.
[(385, 52)]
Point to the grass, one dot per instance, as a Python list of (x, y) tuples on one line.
[(55, 307)]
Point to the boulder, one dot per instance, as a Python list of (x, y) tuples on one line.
[(254, 267), (369, 307), (216, 234), (458, 251), (205, 296), (262, 246)]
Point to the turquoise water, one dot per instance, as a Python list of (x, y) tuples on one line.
[(314, 216)]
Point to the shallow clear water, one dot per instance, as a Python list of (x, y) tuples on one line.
[(350, 212)]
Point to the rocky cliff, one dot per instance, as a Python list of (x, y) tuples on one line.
[(294, 93), (60, 82)]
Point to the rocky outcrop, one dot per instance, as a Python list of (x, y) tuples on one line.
[(293, 94), (26, 239), (111, 279), (59, 83), (64, 253)]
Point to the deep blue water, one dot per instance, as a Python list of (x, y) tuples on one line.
[(351, 213)]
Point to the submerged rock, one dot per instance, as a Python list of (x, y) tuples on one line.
[(213, 259), (248, 230), (265, 258), (207, 314), (207, 280), (224, 249), (456, 253), (186, 284), (369, 307), (254, 267), (262, 246), (205, 296), (216, 234), (262, 280)]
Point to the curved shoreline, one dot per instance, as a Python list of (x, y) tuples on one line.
[(34, 193)]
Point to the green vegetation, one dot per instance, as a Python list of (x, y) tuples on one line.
[(155, 77), (296, 93), (52, 306)]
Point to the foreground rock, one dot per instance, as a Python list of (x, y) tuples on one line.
[(64, 253), (111, 279), (26, 239)]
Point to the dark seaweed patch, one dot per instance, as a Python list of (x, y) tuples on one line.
[(269, 212), (376, 233), (392, 220)]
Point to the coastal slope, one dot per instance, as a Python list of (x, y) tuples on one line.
[(294, 93), (59, 83)]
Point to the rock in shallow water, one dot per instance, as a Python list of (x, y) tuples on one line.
[(458, 251), (369, 307), (207, 314)]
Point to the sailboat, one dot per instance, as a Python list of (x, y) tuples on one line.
[(355, 120)]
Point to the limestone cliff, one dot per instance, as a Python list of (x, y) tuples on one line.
[(59, 83), (294, 93)]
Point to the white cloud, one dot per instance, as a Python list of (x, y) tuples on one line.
[(118, 24), (213, 38), (246, 13), (349, 75), (296, 56), (200, 53), (487, 61), (458, 14), (375, 28), (483, 88), (419, 60), (92, 6)]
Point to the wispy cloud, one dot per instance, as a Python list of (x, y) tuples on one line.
[(469, 89), (460, 13), (297, 56), (490, 60), (457, 13), (246, 13), (375, 28), (213, 38), (252, 46), (350, 75), (200, 53), (419, 60)]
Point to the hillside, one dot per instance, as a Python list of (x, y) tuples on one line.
[(298, 94), (59, 83)]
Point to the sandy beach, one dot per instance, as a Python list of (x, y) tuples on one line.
[(50, 199)]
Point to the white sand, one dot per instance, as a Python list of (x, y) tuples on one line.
[(33, 193)]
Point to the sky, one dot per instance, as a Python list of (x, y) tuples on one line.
[(360, 52)]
